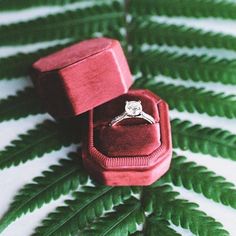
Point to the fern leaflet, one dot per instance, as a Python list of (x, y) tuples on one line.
[(216, 142), (89, 204), (197, 8), (17, 5), (20, 64), (192, 99), (180, 212), (45, 138), (201, 180), (59, 180), (63, 25), (196, 68), (164, 34), (19, 105), (154, 226), (122, 221)]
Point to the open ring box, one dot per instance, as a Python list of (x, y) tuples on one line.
[(93, 76)]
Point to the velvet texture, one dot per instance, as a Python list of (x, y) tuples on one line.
[(131, 137), (133, 152), (72, 54), (80, 77)]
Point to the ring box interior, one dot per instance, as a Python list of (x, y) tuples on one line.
[(133, 152)]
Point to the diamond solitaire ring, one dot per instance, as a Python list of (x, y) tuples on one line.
[(133, 109)]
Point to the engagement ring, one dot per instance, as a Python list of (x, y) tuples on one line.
[(133, 109)]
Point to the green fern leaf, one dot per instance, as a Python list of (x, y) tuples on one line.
[(45, 138), (163, 201), (19, 105), (201, 180), (18, 5), (154, 226), (20, 64), (197, 8), (216, 142), (59, 180), (192, 99), (89, 204), (164, 34), (63, 25), (122, 221), (196, 68)]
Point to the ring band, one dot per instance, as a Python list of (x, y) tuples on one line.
[(133, 109)]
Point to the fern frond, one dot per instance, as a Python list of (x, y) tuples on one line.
[(216, 142), (89, 204), (165, 203), (18, 5), (192, 99), (196, 68), (45, 138), (19, 105), (201, 180), (122, 221), (76, 24), (164, 34), (59, 180), (20, 64), (196, 8)]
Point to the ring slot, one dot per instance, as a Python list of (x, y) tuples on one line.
[(118, 141), (130, 137)]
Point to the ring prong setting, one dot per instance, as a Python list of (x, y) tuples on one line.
[(133, 108)]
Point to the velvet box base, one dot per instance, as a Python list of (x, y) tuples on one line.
[(132, 152)]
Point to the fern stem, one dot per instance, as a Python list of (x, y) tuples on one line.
[(19, 105), (164, 34), (192, 99), (63, 25), (181, 212), (196, 68), (59, 180), (196, 8), (201, 180), (45, 138), (196, 138)]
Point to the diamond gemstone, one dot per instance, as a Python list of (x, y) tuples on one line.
[(133, 108)]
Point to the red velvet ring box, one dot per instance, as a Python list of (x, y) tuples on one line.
[(94, 76), (133, 152)]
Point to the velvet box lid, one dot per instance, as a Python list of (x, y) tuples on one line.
[(80, 77)]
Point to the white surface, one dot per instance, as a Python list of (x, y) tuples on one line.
[(12, 179)]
